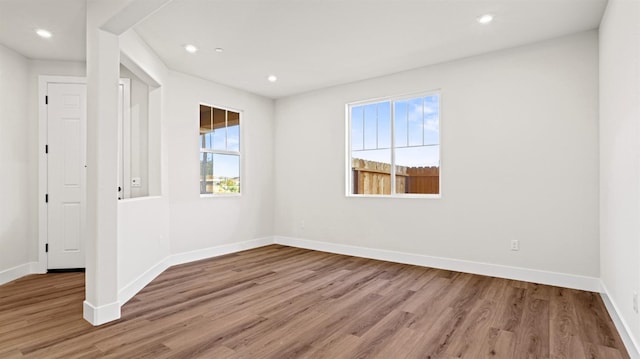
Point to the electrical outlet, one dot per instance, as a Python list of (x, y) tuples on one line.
[(635, 302), (515, 245)]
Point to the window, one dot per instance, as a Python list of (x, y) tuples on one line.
[(394, 147), (219, 151)]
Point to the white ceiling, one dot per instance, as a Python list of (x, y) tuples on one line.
[(66, 19), (313, 44), (308, 44)]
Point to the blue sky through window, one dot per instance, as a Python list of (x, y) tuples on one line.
[(226, 165), (416, 131)]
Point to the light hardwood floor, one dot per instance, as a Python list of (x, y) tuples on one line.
[(281, 302)]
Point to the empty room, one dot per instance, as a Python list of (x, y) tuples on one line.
[(319, 179)]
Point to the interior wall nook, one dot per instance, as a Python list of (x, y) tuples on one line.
[(136, 152)]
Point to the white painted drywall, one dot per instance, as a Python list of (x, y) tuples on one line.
[(143, 223), (198, 223), (143, 242), (519, 161), (620, 157), (16, 216), (103, 216), (103, 71)]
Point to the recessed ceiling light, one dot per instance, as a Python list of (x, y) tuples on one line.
[(219, 49), (190, 48), (44, 33), (272, 78), (485, 19)]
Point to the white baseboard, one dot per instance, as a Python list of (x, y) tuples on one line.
[(591, 284), (216, 251), (102, 314), (131, 289), (16, 272), (623, 329)]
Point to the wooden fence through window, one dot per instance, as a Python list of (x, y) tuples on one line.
[(370, 177)]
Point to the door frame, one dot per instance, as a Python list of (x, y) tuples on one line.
[(124, 138), (43, 215), (43, 219)]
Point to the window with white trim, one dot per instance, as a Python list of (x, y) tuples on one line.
[(219, 151), (394, 147)]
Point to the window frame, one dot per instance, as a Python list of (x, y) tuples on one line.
[(348, 147), (223, 152)]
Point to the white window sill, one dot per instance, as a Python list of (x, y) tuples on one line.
[(219, 195), (412, 196)]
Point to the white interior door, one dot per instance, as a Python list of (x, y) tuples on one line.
[(66, 174)]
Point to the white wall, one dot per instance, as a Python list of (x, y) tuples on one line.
[(20, 153), (103, 72), (519, 161), (178, 221), (21, 111), (198, 223), (16, 216), (620, 157), (143, 223)]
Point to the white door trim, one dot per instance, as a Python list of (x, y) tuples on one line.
[(124, 138), (43, 82)]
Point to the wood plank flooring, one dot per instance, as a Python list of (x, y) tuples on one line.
[(282, 302)]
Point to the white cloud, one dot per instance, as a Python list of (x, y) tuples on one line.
[(432, 125)]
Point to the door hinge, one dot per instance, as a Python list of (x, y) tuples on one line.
[(46, 148), (46, 100), (46, 247), (46, 198)]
